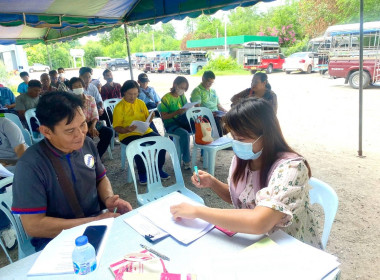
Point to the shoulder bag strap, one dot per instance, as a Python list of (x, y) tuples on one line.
[(64, 182)]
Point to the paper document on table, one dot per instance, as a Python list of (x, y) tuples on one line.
[(184, 230), (292, 262), (221, 141), (141, 127), (145, 227), (190, 104), (56, 258)]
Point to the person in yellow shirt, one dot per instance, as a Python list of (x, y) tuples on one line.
[(128, 110)]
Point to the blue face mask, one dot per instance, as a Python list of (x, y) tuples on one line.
[(244, 150)]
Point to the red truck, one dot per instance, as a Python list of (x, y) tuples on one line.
[(348, 68), (344, 53), (262, 56)]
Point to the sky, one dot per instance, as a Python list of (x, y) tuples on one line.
[(179, 25)]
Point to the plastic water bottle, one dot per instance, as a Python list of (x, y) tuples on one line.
[(84, 256)]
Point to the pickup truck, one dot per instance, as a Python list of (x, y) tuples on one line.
[(117, 63), (348, 68)]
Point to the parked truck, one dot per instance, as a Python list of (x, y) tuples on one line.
[(344, 54)]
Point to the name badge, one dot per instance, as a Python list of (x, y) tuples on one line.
[(89, 160)]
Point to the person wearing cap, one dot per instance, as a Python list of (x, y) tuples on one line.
[(147, 93), (149, 96)]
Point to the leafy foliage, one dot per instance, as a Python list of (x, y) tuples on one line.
[(222, 64)]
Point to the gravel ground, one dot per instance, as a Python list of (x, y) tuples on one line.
[(319, 118)]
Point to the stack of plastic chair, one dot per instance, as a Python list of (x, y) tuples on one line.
[(29, 115), (209, 151), (14, 118), (148, 148), (25, 248), (324, 195)]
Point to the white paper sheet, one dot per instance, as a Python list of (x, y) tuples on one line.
[(56, 258), (5, 172), (150, 115), (189, 105), (141, 127), (185, 230), (293, 261), (145, 227)]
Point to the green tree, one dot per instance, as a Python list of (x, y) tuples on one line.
[(168, 29), (244, 21), (349, 10), (60, 55), (91, 50)]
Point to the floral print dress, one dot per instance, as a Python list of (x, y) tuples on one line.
[(286, 191)]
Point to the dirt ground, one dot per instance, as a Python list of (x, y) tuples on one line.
[(319, 118)]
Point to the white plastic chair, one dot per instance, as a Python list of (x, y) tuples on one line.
[(36, 136), (149, 154), (25, 248), (209, 151), (14, 118), (324, 195), (110, 104), (175, 137)]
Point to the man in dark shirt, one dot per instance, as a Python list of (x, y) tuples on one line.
[(110, 89), (39, 196)]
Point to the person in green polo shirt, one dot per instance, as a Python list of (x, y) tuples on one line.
[(208, 98)]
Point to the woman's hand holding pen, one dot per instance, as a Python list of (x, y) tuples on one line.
[(206, 180)]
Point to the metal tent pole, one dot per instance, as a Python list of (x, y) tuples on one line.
[(128, 49), (360, 151)]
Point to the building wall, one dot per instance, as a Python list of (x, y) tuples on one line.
[(14, 58)]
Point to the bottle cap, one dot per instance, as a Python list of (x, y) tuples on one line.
[(81, 240)]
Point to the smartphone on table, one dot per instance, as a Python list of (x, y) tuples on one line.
[(95, 235)]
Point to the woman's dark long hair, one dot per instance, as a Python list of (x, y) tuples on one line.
[(255, 117), (128, 85)]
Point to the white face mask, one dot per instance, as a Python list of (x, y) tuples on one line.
[(180, 91), (78, 91)]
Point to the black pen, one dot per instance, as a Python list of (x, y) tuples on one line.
[(155, 252)]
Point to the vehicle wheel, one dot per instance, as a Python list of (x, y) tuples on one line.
[(354, 79), (309, 69), (199, 68), (322, 72), (31, 70), (145, 71), (113, 68), (269, 69), (287, 72)]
